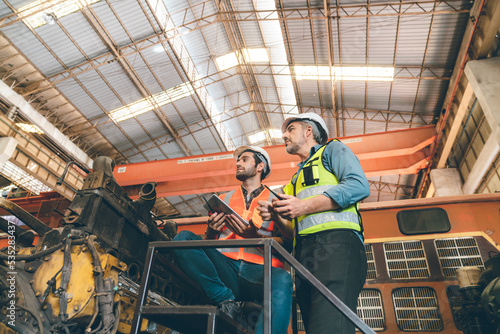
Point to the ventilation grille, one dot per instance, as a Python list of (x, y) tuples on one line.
[(370, 309), (417, 309), (406, 259), (300, 322), (455, 300), (455, 253), (372, 272)]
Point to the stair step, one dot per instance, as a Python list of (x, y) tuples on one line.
[(194, 319)]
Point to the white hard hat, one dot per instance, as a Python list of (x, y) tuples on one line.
[(259, 151), (309, 116)]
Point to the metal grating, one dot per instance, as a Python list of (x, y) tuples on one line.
[(372, 271), (406, 259), (455, 300), (370, 309), (417, 309), (454, 253), (300, 322)]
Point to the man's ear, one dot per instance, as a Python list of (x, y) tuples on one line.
[(260, 167), (309, 130)]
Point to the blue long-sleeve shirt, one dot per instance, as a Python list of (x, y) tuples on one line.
[(341, 161)]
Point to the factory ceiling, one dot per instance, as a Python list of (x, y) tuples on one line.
[(149, 80)]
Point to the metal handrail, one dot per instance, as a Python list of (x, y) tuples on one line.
[(267, 243)]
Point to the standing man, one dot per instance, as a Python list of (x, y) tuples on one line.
[(231, 275), (320, 209)]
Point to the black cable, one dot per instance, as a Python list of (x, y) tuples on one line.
[(38, 320), (40, 254)]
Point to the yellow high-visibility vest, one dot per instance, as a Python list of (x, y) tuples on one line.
[(317, 180)]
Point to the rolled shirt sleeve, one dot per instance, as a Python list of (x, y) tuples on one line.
[(353, 185)]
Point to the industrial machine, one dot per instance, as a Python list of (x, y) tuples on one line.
[(83, 277)]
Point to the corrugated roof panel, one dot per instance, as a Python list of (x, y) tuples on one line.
[(309, 94), (373, 127), (354, 94), (134, 21), (89, 42), (155, 154), (353, 127), (79, 98), (136, 158), (192, 144), (445, 40), (135, 131), (5, 11), (335, 41), (111, 23), (121, 83), (188, 111), (267, 87), (382, 40), (413, 34), (353, 39), (18, 3), (144, 73), (326, 93), (60, 44), (115, 136), (162, 66), (34, 50), (378, 94), (151, 122), (217, 92), (403, 95), (320, 43), (206, 142), (302, 49), (233, 127), (173, 150), (431, 95), (252, 34), (197, 47), (399, 126), (172, 114)]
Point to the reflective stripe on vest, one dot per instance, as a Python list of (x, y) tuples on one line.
[(237, 202), (346, 218)]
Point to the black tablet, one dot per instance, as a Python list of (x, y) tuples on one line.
[(215, 204)]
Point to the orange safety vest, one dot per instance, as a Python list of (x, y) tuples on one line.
[(236, 201)]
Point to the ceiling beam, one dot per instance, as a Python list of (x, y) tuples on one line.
[(389, 153)]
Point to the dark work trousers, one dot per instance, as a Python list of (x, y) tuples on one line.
[(338, 259)]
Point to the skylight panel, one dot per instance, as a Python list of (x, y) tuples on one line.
[(347, 73), (256, 55), (261, 135), (257, 137), (231, 59), (144, 105), (54, 9), (30, 128), (226, 61), (22, 179)]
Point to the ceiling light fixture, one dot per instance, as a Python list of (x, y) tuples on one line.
[(346, 73), (147, 104), (58, 9), (49, 18)]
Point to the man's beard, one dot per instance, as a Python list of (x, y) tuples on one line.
[(246, 174), (292, 148)]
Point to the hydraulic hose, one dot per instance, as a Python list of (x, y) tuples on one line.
[(38, 255), (25, 217)]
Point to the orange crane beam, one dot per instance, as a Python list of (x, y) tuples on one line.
[(386, 153)]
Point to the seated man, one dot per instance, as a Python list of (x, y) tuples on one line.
[(231, 275)]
